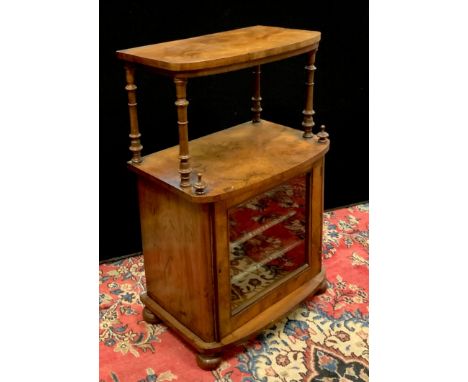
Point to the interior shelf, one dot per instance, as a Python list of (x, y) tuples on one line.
[(261, 229)]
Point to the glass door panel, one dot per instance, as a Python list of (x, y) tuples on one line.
[(267, 237)]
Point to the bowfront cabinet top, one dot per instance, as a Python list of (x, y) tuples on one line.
[(235, 160), (223, 51)]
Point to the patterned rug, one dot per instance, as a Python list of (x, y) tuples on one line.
[(324, 340)]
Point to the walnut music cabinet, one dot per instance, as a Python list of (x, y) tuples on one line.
[(232, 223)]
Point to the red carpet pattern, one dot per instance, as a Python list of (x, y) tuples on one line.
[(324, 340)]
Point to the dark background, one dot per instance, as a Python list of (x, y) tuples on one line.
[(220, 101)]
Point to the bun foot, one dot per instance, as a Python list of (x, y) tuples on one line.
[(322, 287), (150, 317), (208, 361)]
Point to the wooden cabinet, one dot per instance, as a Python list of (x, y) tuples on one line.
[(231, 222)]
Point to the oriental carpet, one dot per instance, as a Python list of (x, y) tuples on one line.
[(325, 339)]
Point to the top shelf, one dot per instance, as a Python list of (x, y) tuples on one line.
[(224, 51)]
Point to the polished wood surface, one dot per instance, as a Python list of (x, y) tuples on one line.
[(221, 49), (276, 151), (176, 238)]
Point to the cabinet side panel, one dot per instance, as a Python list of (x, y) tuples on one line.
[(177, 255)]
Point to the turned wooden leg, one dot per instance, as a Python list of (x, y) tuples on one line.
[(135, 145), (184, 158), (150, 317), (208, 361), (322, 287), (308, 111), (256, 98)]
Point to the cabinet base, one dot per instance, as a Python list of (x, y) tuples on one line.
[(208, 357)]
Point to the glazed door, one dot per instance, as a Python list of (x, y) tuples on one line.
[(267, 240), (272, 242)]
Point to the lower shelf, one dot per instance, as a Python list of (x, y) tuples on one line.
[(249, 329)]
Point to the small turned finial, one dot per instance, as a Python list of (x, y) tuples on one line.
[(200, 185), (323, 135)]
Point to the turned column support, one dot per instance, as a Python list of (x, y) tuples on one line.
[(308, 112), (184, 157), (256, 98), (135, 145)]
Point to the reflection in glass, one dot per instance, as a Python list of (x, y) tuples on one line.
[(267, 239)]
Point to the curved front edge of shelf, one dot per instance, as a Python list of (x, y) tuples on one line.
[(226, 160)]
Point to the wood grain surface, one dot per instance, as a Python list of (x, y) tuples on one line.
[(235, 160), (176, 238), (221, 49)]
